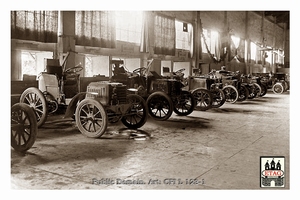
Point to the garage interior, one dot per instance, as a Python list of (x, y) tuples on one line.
[(216, 149)]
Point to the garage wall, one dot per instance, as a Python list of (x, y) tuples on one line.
[(234, 21)]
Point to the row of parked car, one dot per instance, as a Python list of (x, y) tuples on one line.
[(129, 97)]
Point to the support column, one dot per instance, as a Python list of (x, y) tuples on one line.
[(16, 65), (66, 37), (197, 40), (110, 67), (247, 40)]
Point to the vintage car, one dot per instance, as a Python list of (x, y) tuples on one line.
[(280, 83), (163, 94), (103, 102)]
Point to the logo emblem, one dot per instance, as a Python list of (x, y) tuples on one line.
[(272, 171)]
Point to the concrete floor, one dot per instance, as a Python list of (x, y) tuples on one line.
[(217, 149)]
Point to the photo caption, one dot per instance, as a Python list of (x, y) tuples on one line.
[(166, 181)]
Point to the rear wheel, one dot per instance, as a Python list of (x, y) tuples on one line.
[(23, 127), (252, 91), (264, 90), (218, 98), (278, 88), (136, 115), (35, 99), (184, 104), (160, 106), (91, 118), (243, 93), (203, 99), (231, 93), (257, 89)]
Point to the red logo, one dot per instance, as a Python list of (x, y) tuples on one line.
[(273, 173)]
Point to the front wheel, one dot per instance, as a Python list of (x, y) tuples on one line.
[(91, 118), (231, 93), (23, 127), (203, 99), (184, 104), (35, 99), (160, 106), (136, 115)]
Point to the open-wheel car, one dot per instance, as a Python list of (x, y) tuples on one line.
[(207, 90), (56, 88), (106, 102), (280, 83), (163, 94)]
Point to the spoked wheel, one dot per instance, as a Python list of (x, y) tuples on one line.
[(264, 90), (160, 106), (252, 91), (231, 93), (278, 88), (35, 99), (218, 98), (257, 89), (23, 127), (136, 115), (243, 93), (91, 118), (203, 99), (184, 104)]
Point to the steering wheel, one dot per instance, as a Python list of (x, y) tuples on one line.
[(75, 69), (179, 71), (139, 70)]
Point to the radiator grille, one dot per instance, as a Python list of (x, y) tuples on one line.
[(121, 92), (107, 93)]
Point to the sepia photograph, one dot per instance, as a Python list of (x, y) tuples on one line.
[(150, 99)]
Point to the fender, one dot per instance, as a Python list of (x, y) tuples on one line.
[(73, 103)]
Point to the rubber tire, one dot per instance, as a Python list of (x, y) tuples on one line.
[(83, 116), (221, 95), (25, 128), (257, 89), (203, 99), (138, 105), (183, 110), (155, 100), (278, 88), (243, 93), (264, 90), (252, 91), (229, 90), (39, 104)]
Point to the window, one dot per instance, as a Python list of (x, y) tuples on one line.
[(268, 56), (28, 63), (182, 65), (164, 35), (210, 41), (184, 35), (279, 56), (96, 65), (236, 41), (253, 51), (41, 26), (129, 26), (33, 63), (95, 29)]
